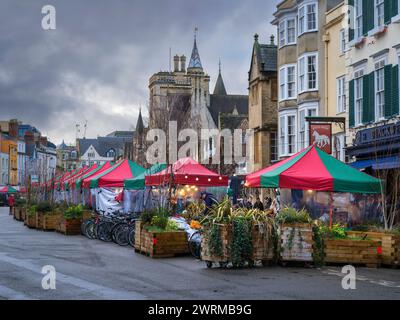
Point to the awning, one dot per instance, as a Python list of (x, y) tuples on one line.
[(378, 164)]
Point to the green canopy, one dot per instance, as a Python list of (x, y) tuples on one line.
[(138, 183), (7, 189)]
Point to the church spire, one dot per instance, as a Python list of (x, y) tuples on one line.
[(139, 124), (195, 62), (219, 88)]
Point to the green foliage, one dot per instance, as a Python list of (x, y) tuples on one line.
[(44, 207), (241, 247), (74, 212), (171, 226), (20, 202), (213, 235), (336, 232), (159, 222), (289, 215), (156, 219), (319, 252), (32, 210)]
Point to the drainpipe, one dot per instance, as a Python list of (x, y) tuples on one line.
[(326, 40)]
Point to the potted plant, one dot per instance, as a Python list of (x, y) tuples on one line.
[(390, 241), (43, 208), (19, 210), (237, 237), (30, 220), (157, 236), (340, 246), (70, 221), (295, 235)]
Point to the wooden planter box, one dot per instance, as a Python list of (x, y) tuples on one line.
[(296, 242), (263, 248), (51, 221), (69, 227), (349, 251), (30, 221), (226, 239), (390, 245), (16, 211), (160, 244), (39, 220), (23, 213)]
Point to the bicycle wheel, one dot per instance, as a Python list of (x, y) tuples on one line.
[(90, 229), (121, 236), (195, 245), (115, 230), (104, 231), (131, 236)]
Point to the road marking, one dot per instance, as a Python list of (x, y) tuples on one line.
[(99, 290), (11, 294), (384, 283)]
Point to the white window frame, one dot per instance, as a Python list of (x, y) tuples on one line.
[(379, 67), (342, 41), (306, 108), (358, 99), (303, 86), (284, 132), (358, 19), (303, 20), (284, 82), (284, 32), (379, 5), (341, 94)]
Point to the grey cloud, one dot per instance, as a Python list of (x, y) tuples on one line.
[(96, 65)]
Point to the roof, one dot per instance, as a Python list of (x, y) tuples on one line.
[(103, 144), (219, 85), (195, 61), (227, 104), (121, 134), (267, 55), (139, 124), (231, 121)]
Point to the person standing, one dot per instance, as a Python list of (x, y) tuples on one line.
[(209, 200), (258, 204), (11, 202)]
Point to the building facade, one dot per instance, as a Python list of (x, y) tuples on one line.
[(263, 104), (301, 65), (336, 76), (67, 157), (182, 96), (22, 163)]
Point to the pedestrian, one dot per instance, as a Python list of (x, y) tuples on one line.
[(258, 204), (11, 202), (209, 200)]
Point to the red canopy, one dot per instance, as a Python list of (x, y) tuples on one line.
[(187, 171), (67, 183), (86, 181), (116, 175)]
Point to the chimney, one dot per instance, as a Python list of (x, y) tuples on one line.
[(272, 40), (183, 63), (176, 63), (13, 128)]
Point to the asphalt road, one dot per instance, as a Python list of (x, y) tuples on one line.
[(91, 269)]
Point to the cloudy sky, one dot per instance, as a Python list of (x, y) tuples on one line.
[(95, 66)]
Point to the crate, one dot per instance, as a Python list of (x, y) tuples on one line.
[(262, 241), (39, 220), (86, 215), (16, 211), (296, 242), (69, 227), (30, 221), (160, 244), (390, 245), (349, 251), (23, 213), (225, 232), (51, 221)]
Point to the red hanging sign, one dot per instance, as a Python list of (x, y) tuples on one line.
[(321, 136)]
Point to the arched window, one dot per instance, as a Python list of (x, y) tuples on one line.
[(111, 153)]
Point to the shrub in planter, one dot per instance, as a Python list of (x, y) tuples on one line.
[(43, 208), (157, 236), (70, 221), (340, 246), (296, 235), (30, 220)]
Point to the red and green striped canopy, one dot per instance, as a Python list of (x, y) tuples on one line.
[(313, 169)]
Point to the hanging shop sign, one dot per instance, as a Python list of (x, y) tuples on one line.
[(321, 136)]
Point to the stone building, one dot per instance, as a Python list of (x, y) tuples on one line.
[(67, 157), (301, 65), (263, 103), (183, 96)]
